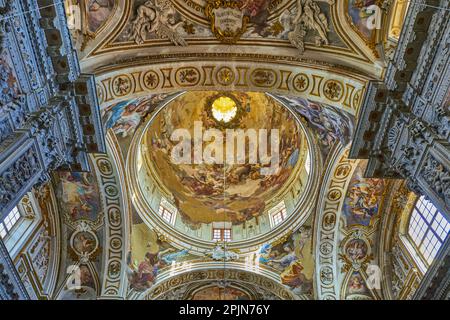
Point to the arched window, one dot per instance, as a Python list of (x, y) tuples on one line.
[(221, 234), (167, 211), (277, 214), (10, 221), (19, 224), (427, 229)]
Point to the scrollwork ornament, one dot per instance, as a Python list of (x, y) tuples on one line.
[(438, 178)]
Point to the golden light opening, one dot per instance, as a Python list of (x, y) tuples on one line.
[(224, 109)]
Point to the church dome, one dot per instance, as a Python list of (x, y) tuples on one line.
[(220, 160)]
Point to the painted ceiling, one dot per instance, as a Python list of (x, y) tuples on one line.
[(299, 29), (311, 57), (152, 257), (204, 193)]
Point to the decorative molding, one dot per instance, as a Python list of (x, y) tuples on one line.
[(11, 286), (403, 128), (328, 213), (327, 87), (116, 208), (208, 273)]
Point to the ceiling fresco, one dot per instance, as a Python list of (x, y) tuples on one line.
[(360, 14), (79, 198), (126, 116), (293, 259), (177, 76), (363, 198), (79, 195), (357, 287), (361, 216), (181, 22), (90, 228), (329, 124), (182, 28), (152, 257), (98, 12), (204, 193)]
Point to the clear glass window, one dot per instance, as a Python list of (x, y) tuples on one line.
[(278, 214), (167, 211), (221, 234), (9, 222), (428, 229)]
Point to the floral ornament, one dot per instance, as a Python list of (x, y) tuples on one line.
[(121, 86), (301, 82), (151, 80), (333, 90), (225, 76)]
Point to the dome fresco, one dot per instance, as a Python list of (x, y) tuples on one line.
[(208, 192)]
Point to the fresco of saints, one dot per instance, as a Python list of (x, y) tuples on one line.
[(265, 253), (363, 196), (329, 124), (357, 285), (84, 243), (80, 195), (288, 260), (292, 275), (356, 249), (147, 270), (143, 277), (124, 117)]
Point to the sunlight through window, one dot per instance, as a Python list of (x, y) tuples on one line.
[(428, 229)]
